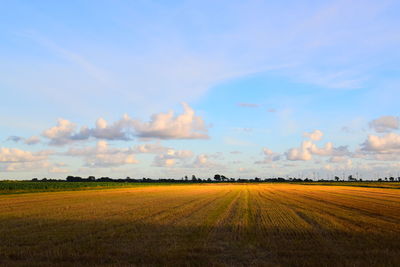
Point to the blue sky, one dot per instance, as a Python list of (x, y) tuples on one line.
[(174, 88)]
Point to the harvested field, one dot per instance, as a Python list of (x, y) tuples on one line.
[(210, 224)]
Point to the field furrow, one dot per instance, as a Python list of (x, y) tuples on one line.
[(216, 224)]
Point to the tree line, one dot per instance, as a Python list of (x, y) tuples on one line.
[(218, 178)]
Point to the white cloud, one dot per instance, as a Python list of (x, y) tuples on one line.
[(267, 151), (61, 133), (307, 149), (149, 148), (169, 126), (17, 160), (299, 154), (10, 155), (103, 156), (58, 168), (24, 166), (269, 156), (385, 124), (32, 140), (161, 126), (117, 131), (203, 161), (171, 157), (315, 135), (339, 164), (387, 144)]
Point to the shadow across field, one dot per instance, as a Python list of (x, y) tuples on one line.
[(67, 242)]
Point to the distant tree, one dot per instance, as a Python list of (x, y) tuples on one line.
[(336, 178), (186, 178), (391, 179), (350, 178), (194, 178), (91, 178), (217, 177), (380, 180)]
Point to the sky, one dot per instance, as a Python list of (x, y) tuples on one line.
[(164, 89)]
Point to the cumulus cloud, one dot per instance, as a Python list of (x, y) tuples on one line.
[(29, 141), (161, 126), (61, 133), (119, 130), (307, 149), (267, 151), (385, 124), (269, 156), (32, 140), (171, 157), (203, 161), (58, 170), (14, 159), (301, 153), (24, 166), (10, 155), (103, 156), (65, 131), (387, 144), (168, 126), (149, 148), (339, 164), (315, 135)]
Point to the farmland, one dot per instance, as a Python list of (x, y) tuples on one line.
[(207, 224), (17, 187)]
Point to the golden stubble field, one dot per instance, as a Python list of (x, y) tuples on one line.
[(214, 224)]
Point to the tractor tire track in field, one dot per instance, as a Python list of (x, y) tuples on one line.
[(382, 205), (48, 224), (226, 238), (106, 226), (316, 235), (375, 215), (350, 223), (138, 222), (217, 225)]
